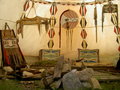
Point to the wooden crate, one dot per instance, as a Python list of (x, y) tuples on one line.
[(89, 55), (49, 54)]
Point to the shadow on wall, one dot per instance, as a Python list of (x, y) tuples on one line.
[(31, 59), (111, 59)]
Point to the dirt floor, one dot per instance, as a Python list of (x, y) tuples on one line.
[(7, 84), (108, 77)]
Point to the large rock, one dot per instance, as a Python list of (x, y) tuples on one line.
[(27, 74), (95, 83), (47, 80), (58, 69), (41, 70), (56, 84), (41, 84), (8, 69), (85, 74), (86, 85), (50, 70), (66, 67), (71, 81)]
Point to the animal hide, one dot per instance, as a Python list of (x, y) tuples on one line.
[(32, 21), (68, 20), (109, 8)]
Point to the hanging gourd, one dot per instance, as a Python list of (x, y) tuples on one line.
[(53, 9), (84, 44), (51, 33), (83, 34), (83, 10), (50, 44), (26, 5), (52, 21), (83, 24), (117, 30)]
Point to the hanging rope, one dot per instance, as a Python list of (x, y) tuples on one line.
[(7, 20), (32, 7), (83, 24), (51, 33), (7, 26), (73, 3)]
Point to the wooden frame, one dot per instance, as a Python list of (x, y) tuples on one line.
[(89, 55), (49, 54)]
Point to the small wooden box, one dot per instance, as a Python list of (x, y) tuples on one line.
[(89, 55), (49, 54)]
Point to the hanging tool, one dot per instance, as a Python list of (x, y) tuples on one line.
[(95, 18)]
